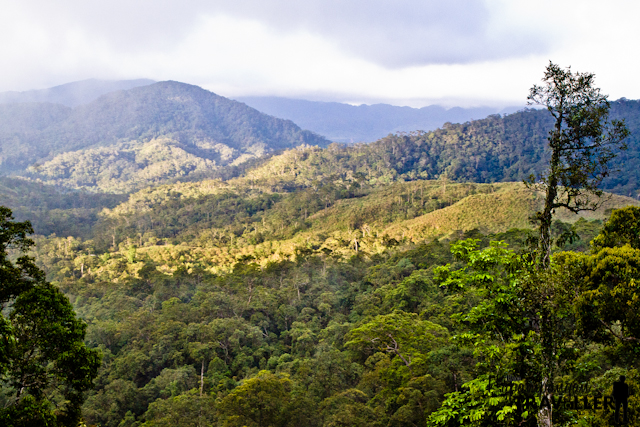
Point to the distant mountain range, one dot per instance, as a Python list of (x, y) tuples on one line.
[(335, 121), (73, 94), (132, 139), (365, 123)]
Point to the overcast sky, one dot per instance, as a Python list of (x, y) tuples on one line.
[(404, 52)]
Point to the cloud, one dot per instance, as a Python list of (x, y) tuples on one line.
[(403, 32), (406, 51), (392, 34)]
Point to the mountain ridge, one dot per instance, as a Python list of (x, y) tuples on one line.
[(365, 123), (126, 140)]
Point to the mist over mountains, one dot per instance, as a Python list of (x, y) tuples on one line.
[(335, 121)]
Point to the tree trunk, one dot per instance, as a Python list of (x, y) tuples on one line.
[(546, 216), (545, 413), (202, 378)]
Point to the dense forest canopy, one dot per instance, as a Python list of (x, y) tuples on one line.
[(203, 296)]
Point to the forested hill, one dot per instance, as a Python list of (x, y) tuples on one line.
[(129, 140), (139, 137), (494, 149), (268, 298), (209, 299)]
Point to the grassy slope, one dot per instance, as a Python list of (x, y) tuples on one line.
[(299, 201), (371, 220), (508, 205)]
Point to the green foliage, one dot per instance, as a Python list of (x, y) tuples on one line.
[(621, 229), (399, 334), (54, 210), (608, 308), (499, 330), (182, 410), (573, 323), (44, 365), (260, 401)]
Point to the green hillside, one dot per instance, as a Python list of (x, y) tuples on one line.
[(495, 149), (55, 210), (268, 225), (131, 139)]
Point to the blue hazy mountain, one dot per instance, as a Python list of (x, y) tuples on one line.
[(364, 123)]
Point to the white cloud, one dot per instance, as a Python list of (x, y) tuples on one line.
[(236, 58), (406, 52), (399, 33)]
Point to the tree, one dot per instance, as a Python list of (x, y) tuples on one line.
[(184, 410), (608, 304), (497, 329), (522, 327), (44, 365), (400, 349), (398, 334), (582, 143), (259, 401), (622, 228)]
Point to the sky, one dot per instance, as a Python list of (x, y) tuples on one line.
[(402, 52)]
